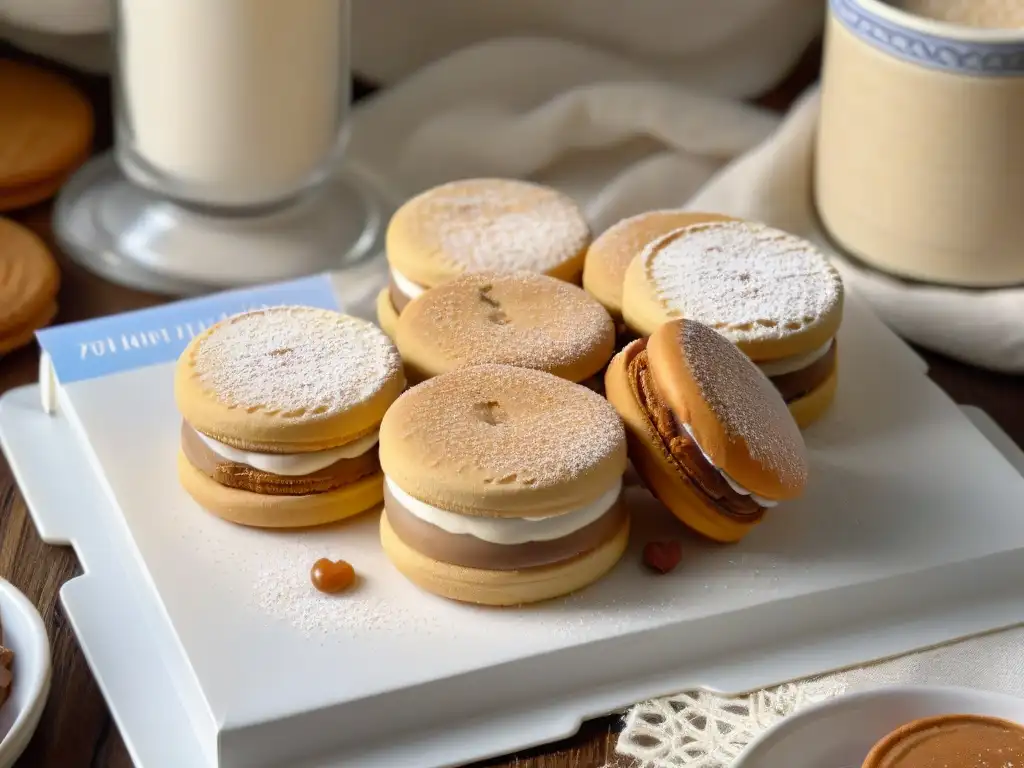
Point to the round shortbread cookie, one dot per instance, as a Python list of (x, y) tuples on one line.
[(265, 511), (24, 334), (771, 293), (288, 379), (521, 319), (47, 124), (610, 254), (502, 588), (487, 225), (808, 409), (25, 195), (29, 279), (494, 440)]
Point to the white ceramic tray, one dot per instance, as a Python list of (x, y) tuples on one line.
[(212, 649), (841, 732)]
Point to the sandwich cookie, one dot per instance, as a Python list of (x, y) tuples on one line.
[(479, 225), (610, 254), (502, 485), (951, 741), (521, 319), (281, 412), (708, 433), (771, 293)]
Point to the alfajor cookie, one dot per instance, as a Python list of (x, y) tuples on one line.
[(773, 294), (502, 485), (522, 319), (479, 225), (951, 741), (610, 254), (47, 126), (29, 279), (281, 411), (708, 433)]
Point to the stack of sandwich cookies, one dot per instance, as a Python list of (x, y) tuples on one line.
[(708, 433), (773, 294), (281, 412), (478, 225), (502, 485), (611, 253), (522, 319)]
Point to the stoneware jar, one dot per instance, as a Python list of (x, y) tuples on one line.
[(920, 153)]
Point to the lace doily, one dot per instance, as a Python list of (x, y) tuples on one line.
[(696, 729)]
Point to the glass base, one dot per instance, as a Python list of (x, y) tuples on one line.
[(134, 237)]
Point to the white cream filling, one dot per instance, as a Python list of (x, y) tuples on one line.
[(291, 464), (784, 365), (405, 285), (760, 500), (508, 530)]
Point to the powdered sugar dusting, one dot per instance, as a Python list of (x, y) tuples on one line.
[(500, 225), (746, 402), (513, 425), (748, 281), (522, 319), (294, 360)]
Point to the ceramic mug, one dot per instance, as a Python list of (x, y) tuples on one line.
[(919, 166)]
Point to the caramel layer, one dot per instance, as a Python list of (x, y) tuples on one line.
[(398, 299), (793, 386), (701, 475), (246, 478), (470, 552)]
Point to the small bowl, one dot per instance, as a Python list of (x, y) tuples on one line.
[(25, 634), (840, 733)]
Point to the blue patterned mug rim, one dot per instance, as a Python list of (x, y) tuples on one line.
[(933, 44)]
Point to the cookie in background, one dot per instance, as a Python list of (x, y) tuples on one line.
[(771, 293), (45, 134), (477, 225), (522, 319), (29, 280), (610, 254)]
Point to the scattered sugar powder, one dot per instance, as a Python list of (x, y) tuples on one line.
[(746, 402), (293, 360), (749, 281), (501, 225)]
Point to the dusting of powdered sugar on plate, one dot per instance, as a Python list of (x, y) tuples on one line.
[(748, 281), (293, 360)]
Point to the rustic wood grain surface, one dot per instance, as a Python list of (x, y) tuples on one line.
[(76, 730)]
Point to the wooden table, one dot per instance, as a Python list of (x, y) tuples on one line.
[(76, 729)]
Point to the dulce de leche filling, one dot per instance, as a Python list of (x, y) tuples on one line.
[(703, 477), (246, 478), (792, 386), (953, 741), (470, 552)]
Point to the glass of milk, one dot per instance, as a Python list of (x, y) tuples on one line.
[(231, 103), (231, 120)]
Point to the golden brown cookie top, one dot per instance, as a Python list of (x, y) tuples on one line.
[(522, 319), (493, 225), (29, 277)]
